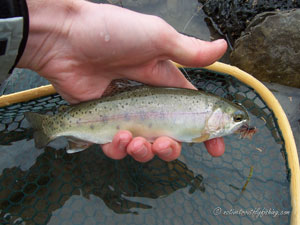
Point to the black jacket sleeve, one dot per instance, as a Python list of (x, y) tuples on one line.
[(11, 13)]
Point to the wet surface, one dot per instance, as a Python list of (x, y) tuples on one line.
[(50, 186), (289, 99)]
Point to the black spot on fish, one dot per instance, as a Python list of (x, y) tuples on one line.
[(118, 127), (92, 126)]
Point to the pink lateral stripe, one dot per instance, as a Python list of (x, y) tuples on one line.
[(144, 116)]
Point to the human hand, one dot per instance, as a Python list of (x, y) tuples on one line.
[(80, 47)]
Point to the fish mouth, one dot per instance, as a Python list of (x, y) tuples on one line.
[(246, 131)]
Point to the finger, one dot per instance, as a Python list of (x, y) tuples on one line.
[(190, 51), (164, 73), (215, 147), (117, 148), (166, 148), (140, 149)]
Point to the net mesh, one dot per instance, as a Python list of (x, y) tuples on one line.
[(50, 186)]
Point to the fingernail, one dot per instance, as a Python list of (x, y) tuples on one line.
[(141, 152), (219, 41), (123, 137), (123, 141), (166, 152), (164, 144), (123, 144)]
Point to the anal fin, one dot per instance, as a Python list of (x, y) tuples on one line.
[(77, 145)]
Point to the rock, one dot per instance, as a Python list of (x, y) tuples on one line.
[(270, 48), (232, 16)]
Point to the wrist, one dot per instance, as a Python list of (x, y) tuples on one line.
[(47, 18)]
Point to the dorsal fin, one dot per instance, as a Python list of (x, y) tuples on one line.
[(120, 85)]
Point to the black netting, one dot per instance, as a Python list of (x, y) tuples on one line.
[(49, 186)]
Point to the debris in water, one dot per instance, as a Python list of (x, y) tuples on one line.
[(262, 118), (234, 187), (248, 179), (258, 149)]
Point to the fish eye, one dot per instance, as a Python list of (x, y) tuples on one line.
[(238, 116)]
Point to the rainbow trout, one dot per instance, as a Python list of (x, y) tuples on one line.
[(182, 114)]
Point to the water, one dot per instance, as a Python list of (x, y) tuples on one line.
[(289, 99), (89, 188), (50, 186)]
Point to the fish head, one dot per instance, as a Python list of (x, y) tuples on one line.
[(226, 119)]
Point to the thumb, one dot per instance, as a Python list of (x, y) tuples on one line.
[(190, 51)]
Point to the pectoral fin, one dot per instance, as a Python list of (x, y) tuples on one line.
[(202, 138)]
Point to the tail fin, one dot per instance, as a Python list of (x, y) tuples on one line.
[(41, 139)]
